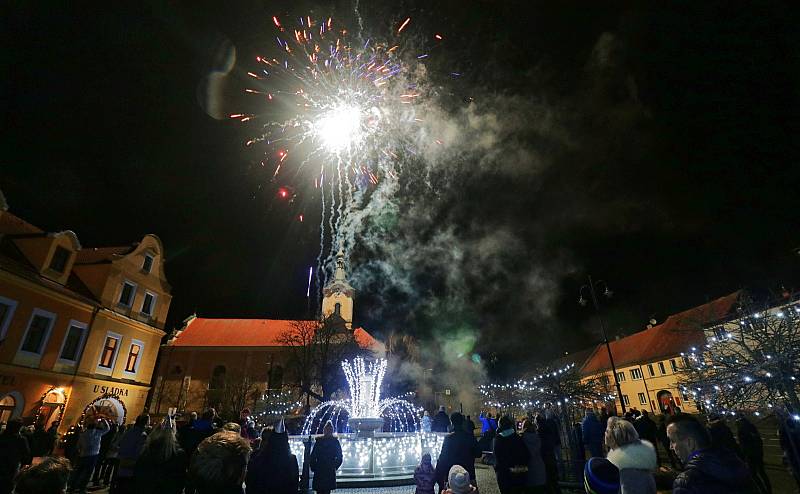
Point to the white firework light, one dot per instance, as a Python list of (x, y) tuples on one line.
[(337, 111)]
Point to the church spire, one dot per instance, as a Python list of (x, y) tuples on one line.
[(337, 295), (340, 274)]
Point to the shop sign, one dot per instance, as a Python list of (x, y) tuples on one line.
[(110, 390)]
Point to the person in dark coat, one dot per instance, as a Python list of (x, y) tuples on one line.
[(469, 425), (52, 437), (161, 467), (441, 422), (544, 428), (647, 429), (722, 436), (509, 452), (326, 458), (592, 431), (424, 476), (458, 448), (536, 478), (130, 446), (753, 449), (708, 470), (14, 453), (273, 468)]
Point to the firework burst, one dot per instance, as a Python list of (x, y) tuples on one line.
[(339, 112)]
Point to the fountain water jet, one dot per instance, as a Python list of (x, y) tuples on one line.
[(370, 454)]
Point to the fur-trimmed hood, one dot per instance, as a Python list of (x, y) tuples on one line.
[(640, 455)]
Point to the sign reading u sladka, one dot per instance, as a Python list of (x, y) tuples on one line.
[(110, 390)]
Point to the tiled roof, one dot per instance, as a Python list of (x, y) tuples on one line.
[(676, 334), (12, 225), (101, 254), (204, 332)]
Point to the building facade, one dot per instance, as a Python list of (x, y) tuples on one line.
[(78, 326), (209, 354), (649, 362)]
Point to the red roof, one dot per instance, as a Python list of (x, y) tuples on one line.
[(245, 333), (101, 254), (678, 333), (13, 225)]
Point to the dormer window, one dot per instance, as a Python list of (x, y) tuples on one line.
[(60, 258), (147, 264), (126, 296)]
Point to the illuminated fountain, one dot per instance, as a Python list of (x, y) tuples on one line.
[(381, 438)]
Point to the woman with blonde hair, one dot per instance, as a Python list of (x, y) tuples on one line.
[(635, 458), (161, 468)]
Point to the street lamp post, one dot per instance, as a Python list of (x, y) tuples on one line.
[(591, 286)]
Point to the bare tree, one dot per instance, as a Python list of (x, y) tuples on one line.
[(316, 349), (232, 393), (299, 341), (750, 362)]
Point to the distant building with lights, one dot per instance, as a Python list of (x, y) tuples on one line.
[(649, 362), (205, 352), (78, 326)]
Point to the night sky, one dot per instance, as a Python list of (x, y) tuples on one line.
[(653, 146)]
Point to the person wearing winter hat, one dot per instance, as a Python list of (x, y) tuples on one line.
[(600, 476), (634, 458), (273, 469), (458, 481)]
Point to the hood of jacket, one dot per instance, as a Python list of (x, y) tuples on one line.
[(640, 455)]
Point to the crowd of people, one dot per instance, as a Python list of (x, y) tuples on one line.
[(206, 455), (203, 456)]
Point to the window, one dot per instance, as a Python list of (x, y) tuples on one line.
[(7, 307), (620, 376), (38, 331), (642, 399), (605, 380), (626, 400), (132, 364), (60, 258), (109, 353), (126, 296), (661, 368), (147, 264), (73, 342), (148, 303), (636, 373), (673, 364), (650, 370)]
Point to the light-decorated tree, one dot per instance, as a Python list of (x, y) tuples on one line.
[(274, 404), (563, 389), (750, 362)]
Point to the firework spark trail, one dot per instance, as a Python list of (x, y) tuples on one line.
[(351, 106)]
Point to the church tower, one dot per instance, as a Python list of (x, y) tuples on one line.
[(337, 296)]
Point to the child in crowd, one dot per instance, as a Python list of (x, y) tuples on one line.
[(425, 476)]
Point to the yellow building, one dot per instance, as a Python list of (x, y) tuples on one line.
[(78, 326), (649, 362)]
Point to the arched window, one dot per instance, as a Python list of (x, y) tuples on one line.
[(337, 309), (7, 406), (217, 378)]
